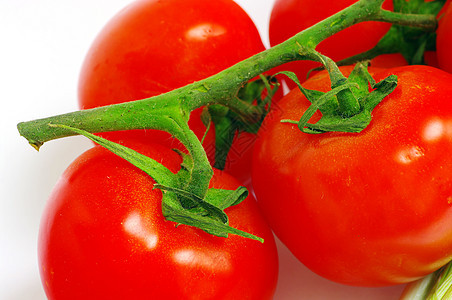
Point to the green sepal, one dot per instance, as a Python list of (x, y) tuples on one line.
[(226, 198), (203, 207), (200, 218), (178, 204), (327, 105), (174, 212), (354, 123), (148, 165), (333, 120), (379, 92)]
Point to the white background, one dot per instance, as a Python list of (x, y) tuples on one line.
[(42, 45)]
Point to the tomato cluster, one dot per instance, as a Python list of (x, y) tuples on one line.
[(370, 209)]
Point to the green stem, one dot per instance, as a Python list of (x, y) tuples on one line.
[(348, 104), (170, 111), (424, 22), (151, 113), (201, 171)]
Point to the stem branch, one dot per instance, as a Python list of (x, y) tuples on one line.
[(425, 22)]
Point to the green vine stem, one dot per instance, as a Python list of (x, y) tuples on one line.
[(424, 22), (170, 111), (222, 88)]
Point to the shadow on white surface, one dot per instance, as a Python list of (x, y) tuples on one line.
[(297, 282)]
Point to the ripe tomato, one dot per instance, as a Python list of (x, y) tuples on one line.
[(289, 17), (444, 40), (103, 236), (371, 208), (151, 47)]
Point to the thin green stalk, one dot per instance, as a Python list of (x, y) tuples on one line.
[(424, 22)]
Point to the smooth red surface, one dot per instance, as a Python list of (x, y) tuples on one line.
[(372, 208), (151, 47), (288, 17), (103, 236)]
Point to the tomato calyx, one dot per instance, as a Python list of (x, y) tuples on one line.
[(410, 41), (348, 106), (180, 203)]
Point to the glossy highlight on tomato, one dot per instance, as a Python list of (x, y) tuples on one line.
[(154, 46), (371, 208), (103, 236)]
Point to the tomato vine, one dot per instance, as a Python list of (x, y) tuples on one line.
[(170, 111)]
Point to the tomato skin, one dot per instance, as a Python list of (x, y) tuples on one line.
[(151, 47), (367, 209), (103, 236), (289, 17), (444, 40)]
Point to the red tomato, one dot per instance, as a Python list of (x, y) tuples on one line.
[(103, 236), (151, 47), (444, 41), (288, 17), (390, 60), (372, 208)]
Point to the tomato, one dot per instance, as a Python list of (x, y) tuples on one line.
[(151, 47), (444, 41), (289, 17), (103, 236), (371, 208)]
